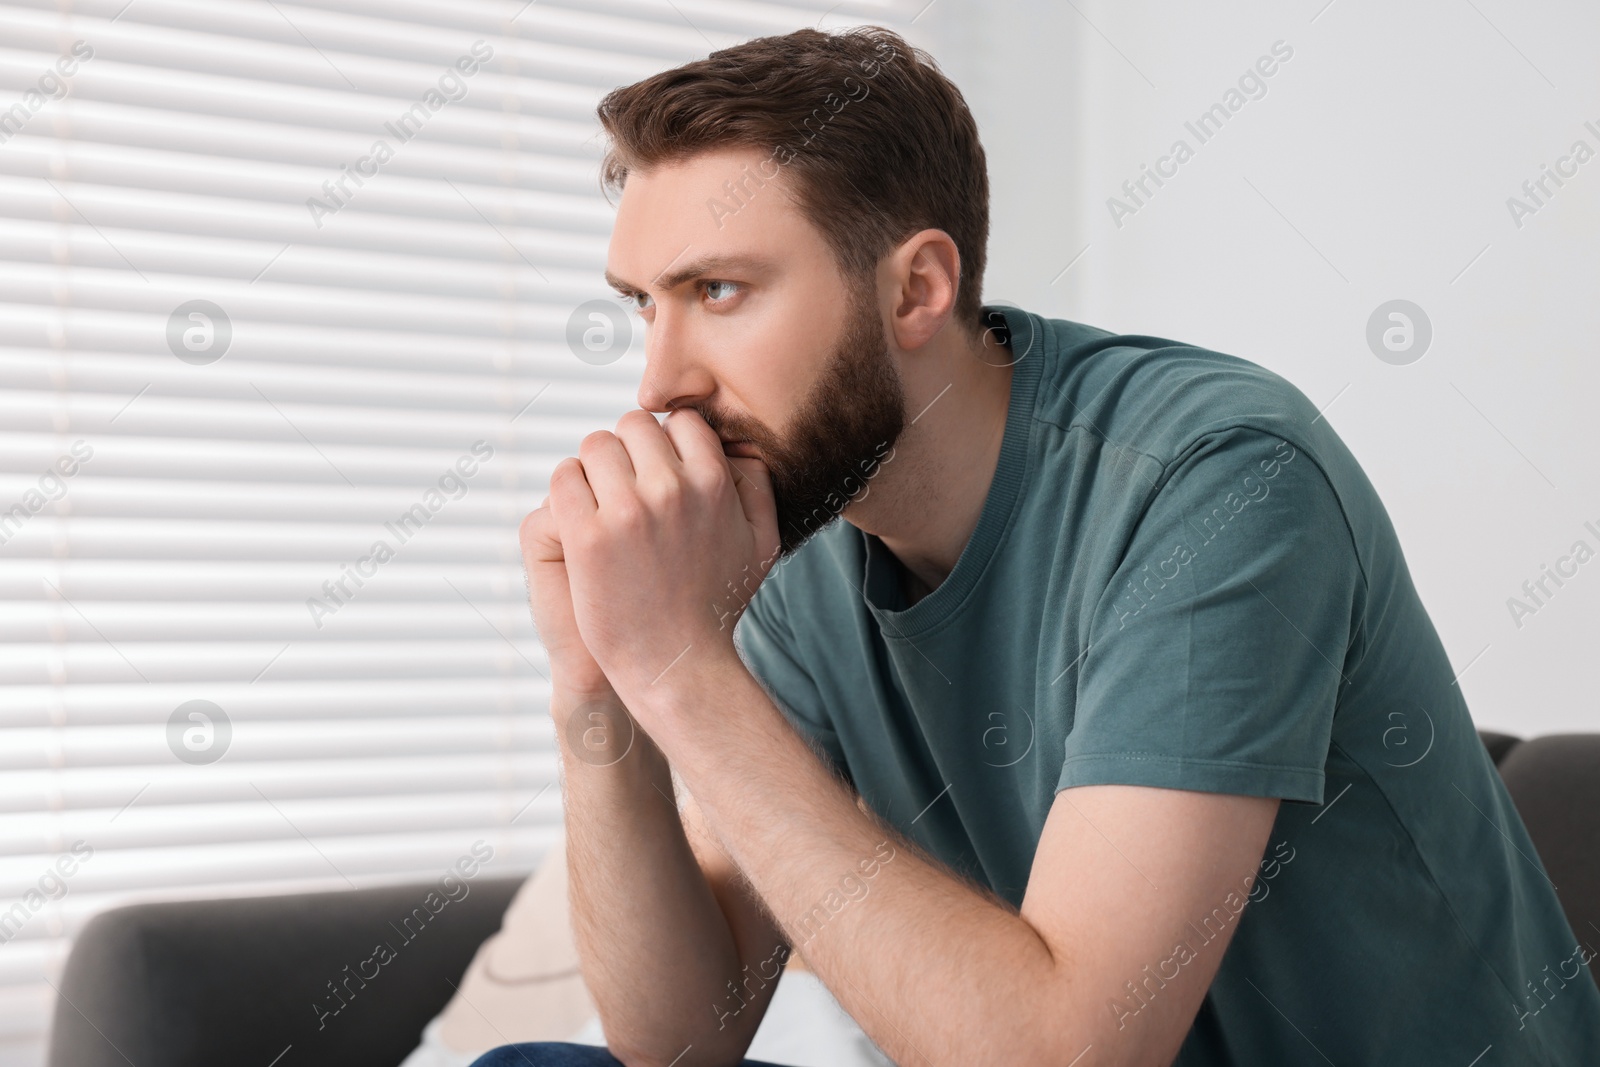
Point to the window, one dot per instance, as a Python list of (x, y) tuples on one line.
[(294, 323)]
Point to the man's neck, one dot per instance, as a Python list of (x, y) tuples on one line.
[(912, 587), (926, 501)]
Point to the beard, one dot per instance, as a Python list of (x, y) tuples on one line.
[(839, 435)]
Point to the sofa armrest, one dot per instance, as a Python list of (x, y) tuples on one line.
[(347, 978), (1498, 744)]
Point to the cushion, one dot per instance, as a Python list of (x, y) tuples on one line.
[(1555, 783)]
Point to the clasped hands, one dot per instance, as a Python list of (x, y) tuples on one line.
[(647, 549)]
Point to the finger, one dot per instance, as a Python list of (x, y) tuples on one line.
[(754, 484), (606, 466), (540, 538), (697, 444), (651, 452), (570, 494)]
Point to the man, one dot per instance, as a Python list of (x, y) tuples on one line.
[(1107, 728)]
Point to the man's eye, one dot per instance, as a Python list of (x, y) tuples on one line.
[(719, 291), (640, 301)]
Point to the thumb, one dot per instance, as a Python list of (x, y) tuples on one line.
[(541, 541), (753, 483)]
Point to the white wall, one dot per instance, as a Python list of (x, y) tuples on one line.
[(1377, 166)]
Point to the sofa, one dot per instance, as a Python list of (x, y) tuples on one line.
[(246, 980), (255, 981)]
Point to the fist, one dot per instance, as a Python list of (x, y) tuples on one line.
[(573, 669), (664, 540)]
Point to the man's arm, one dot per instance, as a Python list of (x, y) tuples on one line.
[(654, 525), (938, 971), (674, 950), (663, 926)]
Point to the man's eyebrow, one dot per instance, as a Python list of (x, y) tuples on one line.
[(714, 264)]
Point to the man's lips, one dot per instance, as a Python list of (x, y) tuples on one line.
[(743, 449)]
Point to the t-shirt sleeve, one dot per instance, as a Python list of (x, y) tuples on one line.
[(1216, 654), (767, 646)]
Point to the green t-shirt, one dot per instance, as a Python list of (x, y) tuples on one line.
[(1182, 578)]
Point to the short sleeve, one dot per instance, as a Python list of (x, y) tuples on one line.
[(1216, 654), (767, 647)]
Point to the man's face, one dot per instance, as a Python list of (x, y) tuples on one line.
[(751, 323)]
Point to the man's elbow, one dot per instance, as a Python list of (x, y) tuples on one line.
[(695, 1054), (1061, 1041), (631, 1057)]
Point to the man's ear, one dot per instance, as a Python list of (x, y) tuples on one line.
[(925, 272)]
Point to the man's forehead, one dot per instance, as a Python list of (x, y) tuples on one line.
[(715, 206)]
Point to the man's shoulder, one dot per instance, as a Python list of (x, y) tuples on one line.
[(1184, 415), (1157, 396)]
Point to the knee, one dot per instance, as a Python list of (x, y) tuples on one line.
[(546, 1054)]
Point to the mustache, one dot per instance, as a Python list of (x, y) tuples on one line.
[(730, 427)]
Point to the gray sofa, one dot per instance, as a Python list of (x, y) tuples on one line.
[(246, 982), (243, 982)]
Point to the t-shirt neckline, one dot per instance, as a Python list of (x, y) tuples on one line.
[(1031, 346)]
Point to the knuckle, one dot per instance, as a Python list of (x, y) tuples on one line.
[(628, 513), (533, 525), (588, 540), (706, 478), (717, 488), (668, 492)]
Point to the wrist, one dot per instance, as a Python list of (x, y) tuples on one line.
[(594, 729), (569, 689), (700, 693)]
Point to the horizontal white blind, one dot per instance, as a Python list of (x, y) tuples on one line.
[(229, 372)]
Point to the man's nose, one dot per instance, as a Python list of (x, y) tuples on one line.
[(674, 376)]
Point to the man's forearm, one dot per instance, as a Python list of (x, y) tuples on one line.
[(935, 970), (656, 950)]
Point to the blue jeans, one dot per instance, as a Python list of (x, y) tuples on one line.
[(560, 1054)]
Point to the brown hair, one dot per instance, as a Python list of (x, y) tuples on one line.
[(879, 143)]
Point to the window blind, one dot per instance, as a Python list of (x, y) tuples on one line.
[(297, 311)]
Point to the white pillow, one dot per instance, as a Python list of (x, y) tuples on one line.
[(524, 985), (803, 1027)]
